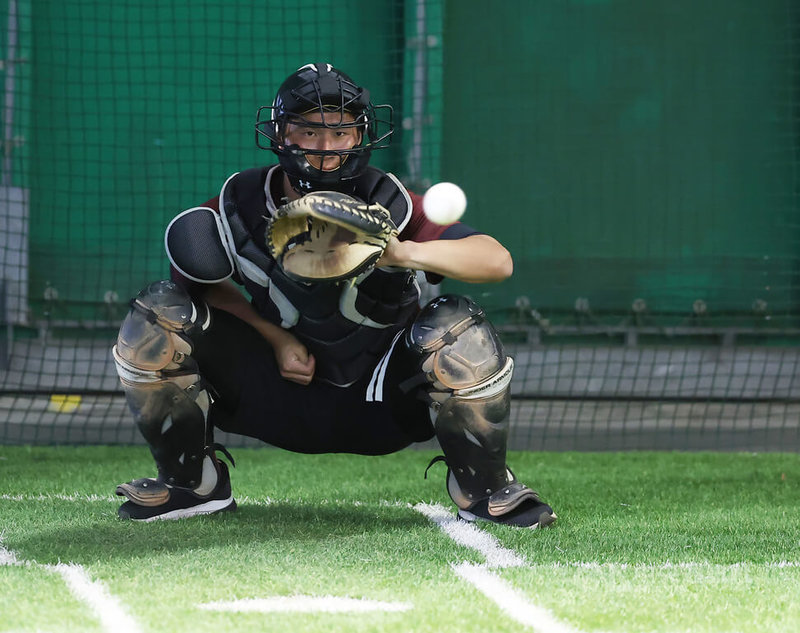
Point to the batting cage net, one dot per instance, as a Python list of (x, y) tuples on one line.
[(641, 161)]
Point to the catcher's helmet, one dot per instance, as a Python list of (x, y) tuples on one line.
[(324, 90)]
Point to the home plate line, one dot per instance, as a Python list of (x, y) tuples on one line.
[(305, 604), (514, 604)]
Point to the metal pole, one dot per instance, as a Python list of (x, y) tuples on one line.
[(420, 94), (10, 68)]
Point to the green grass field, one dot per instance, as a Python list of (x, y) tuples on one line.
[(645, 542)]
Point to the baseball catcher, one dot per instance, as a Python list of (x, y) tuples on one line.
[(293, 316)]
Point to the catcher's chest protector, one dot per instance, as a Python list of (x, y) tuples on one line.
[(346, 325)]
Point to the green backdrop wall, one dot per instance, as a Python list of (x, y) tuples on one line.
[(627, 149), (143, 109), (621, 149)]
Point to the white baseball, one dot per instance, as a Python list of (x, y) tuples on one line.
[(444, 203)]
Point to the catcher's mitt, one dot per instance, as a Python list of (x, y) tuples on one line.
[(328, 236)]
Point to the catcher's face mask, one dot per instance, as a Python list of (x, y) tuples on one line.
[(318, 95)]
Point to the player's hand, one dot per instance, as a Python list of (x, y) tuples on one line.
[(295, 363), (395, 254)]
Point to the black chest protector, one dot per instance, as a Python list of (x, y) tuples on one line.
[(347, 326)]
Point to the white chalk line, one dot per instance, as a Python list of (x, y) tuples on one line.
[(305, 604), (74, 497), (9, 558), (433, 512), (470, 536), (113, 616), (78, 497), (514, 604), (109, 611), (667, 565)]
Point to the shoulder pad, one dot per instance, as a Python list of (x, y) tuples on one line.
[(195, 247), (242, 203), (375, 185)]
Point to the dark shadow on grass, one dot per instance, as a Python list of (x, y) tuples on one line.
[(90, 541)]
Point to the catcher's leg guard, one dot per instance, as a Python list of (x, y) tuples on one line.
[(167, 396), (468, 373)]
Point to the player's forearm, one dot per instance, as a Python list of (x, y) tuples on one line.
[(474, 259), (226, 296)]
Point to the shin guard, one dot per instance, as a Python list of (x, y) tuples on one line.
[(468, 375), (162, 385)]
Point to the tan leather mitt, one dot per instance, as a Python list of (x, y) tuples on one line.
[(328, 236)]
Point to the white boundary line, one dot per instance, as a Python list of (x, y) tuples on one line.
[(7, 557), (76, 496), (437, 514), (784, 564), (93, 593), (305, 604), (514, 604), (510, 601), (469, 535), (112, 615)]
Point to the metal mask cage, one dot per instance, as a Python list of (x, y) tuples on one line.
[(271, 122)]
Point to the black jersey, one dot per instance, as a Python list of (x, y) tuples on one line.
[(347, 325)]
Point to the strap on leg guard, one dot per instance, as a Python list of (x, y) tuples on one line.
[(155, 492), (166, 395)]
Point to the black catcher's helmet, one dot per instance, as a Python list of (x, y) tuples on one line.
[(320, 88)]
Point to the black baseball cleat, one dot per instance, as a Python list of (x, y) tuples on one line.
[(514, 504), (150, 499), (532, 513)]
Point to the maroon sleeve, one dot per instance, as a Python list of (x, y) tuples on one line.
[(212, 204), (421, 229)]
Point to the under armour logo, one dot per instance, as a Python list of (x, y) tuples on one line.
[(305, 184)]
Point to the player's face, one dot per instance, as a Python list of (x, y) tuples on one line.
[(323, 138)]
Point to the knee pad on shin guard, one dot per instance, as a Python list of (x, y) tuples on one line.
[(469, 376), (154, 336), (161, 382)]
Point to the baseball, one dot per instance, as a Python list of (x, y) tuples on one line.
[(444, 203)]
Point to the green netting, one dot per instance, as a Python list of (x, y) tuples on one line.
[(144, 108), (639, 159), (648, 150)]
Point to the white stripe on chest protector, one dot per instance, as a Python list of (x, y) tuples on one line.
[(375, 387)]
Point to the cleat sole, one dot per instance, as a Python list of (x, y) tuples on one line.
[(209, 507)]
